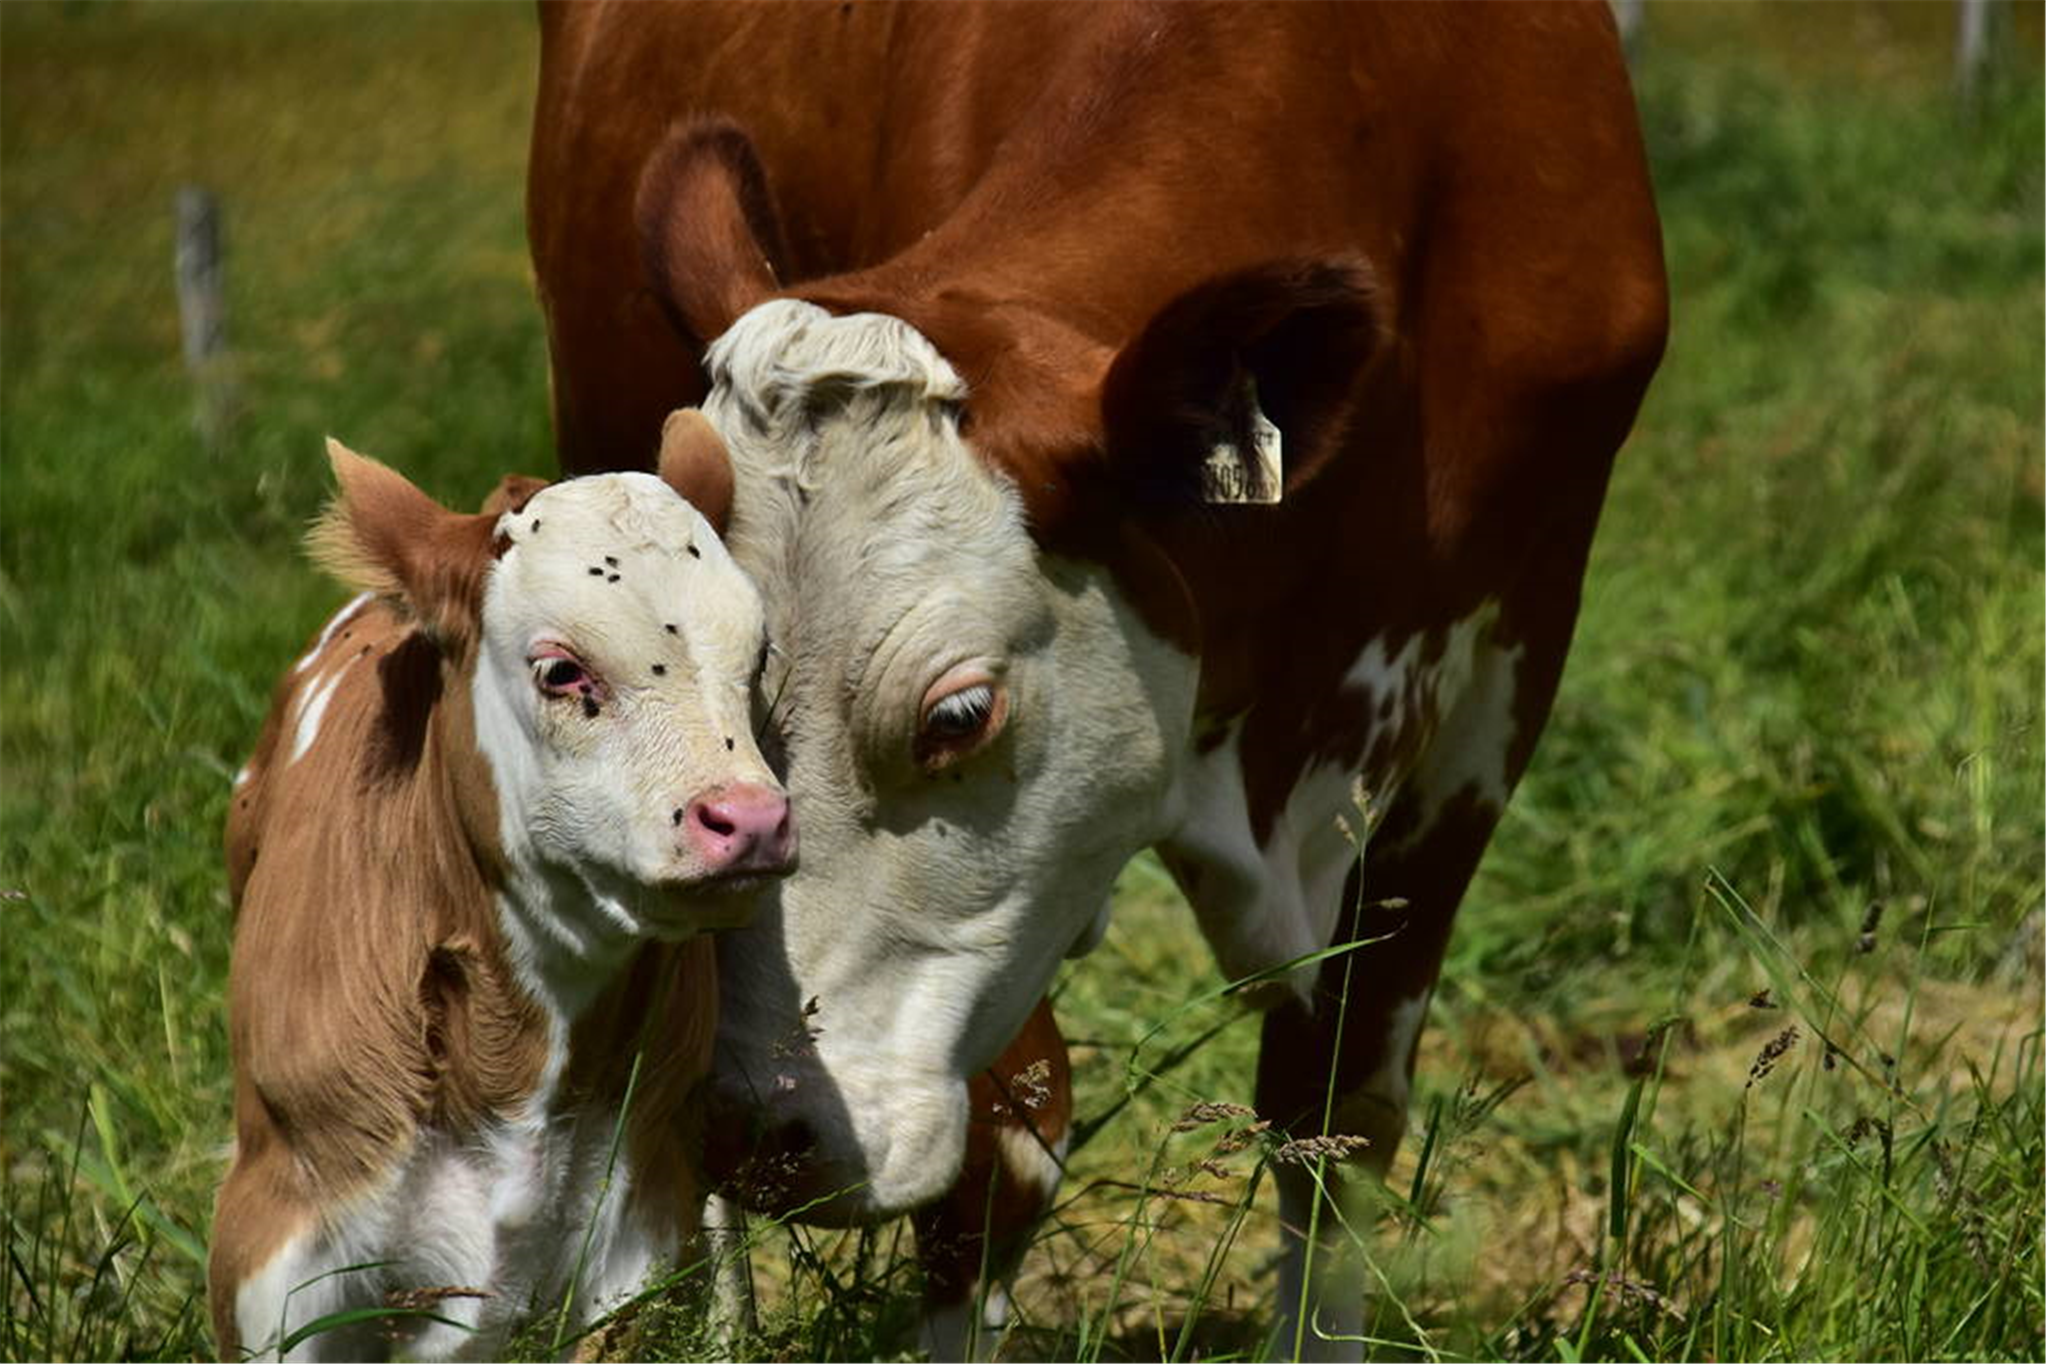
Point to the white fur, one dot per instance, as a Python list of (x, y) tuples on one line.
[(1261, 905), (587, 804), (507, 1214), (339, 619), (1470, 753), (930, 913), (312, 708), (1331, 1276)]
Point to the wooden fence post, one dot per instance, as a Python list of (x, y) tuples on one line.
[(202, 310), (1628, 15), (1974, 23)]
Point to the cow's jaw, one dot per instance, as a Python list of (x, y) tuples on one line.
[(935, 901)]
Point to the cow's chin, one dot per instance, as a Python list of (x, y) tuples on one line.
[(789, 1147)]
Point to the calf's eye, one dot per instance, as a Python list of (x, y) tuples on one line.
[(557, 673)]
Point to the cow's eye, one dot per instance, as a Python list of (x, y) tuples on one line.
[(962, 714)]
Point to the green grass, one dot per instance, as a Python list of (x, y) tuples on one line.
[(1805, 694)]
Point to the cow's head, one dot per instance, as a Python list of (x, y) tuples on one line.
[(597, 648), (986, 666)]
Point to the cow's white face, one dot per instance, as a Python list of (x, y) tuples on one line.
[(613, 699), (978, 736)]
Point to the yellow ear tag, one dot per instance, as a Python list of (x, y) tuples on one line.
[(1222, 480)]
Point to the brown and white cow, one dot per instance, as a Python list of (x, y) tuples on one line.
[(1176, 425), (493, 808)]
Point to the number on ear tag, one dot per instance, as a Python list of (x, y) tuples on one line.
[(1222, 479)]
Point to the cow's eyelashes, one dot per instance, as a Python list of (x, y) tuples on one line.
[(962, 714)]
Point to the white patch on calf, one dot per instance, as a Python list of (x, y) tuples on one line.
[(312, 708), (340, 618), (1029, 1162), (308, 1277), (493, 1214)]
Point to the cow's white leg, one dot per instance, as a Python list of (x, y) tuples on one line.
[(1322, 1278), (732, 1314), (1320, 1311)]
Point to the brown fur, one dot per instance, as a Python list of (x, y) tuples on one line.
[(380, 534), (512, 493), (694, 463), (711, 167)]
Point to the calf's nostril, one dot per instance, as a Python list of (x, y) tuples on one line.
[(716, 820)]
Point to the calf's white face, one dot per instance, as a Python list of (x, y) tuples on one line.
[(979, 735), (613, 699), (608, 647)]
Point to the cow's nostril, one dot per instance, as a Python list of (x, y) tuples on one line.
[(714, 820)]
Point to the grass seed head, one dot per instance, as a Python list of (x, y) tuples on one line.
[(1771, 1053)]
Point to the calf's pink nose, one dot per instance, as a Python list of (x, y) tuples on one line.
[(743, 827)]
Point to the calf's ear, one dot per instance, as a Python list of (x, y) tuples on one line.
[(709, 236), (511, 494), (381, 534), (695, 463), (1244, 374)]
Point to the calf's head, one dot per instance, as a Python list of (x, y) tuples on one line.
[(601, 649)]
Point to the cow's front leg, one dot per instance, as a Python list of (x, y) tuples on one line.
[(1342, 1062), (1344, 1069), (971, 1241)]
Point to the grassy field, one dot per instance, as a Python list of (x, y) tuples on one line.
[(1737, 1054)]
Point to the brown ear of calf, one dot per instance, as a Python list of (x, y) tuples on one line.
[(511, 494), (381, 534), (695, 463), (1296, 333), (709, 236)]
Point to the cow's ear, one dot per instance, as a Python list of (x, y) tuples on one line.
[(380, 534), (1231, 392), (708, 233), (695, 463), (511, 494)]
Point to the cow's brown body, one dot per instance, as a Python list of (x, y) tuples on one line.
[(1029, 186)]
